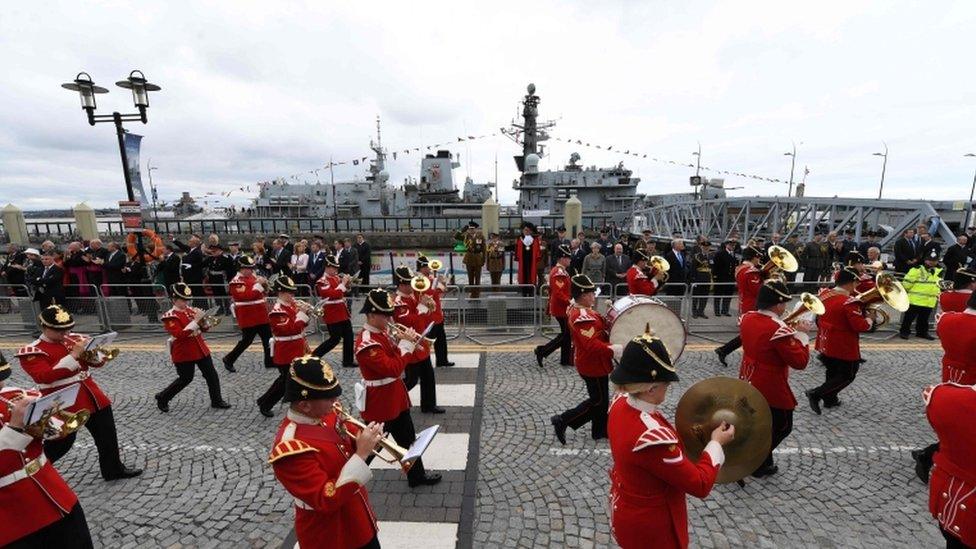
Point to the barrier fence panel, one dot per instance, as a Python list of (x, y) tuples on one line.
[(503, 313), (86, 305), (17, 310)]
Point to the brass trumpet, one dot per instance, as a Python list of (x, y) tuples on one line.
[(54, 423), (809, 303), (208, 321), (100, 354), (315, 311), (399, 332), (386, 444)]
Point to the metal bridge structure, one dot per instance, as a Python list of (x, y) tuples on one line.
[(749, 217)]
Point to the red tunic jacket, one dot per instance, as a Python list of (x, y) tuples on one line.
[(320, 469), (186, 342), (381, 364), (52, 368), (841, 325), (769, 349), (38, 499), (331, 290), (651, 475), (954, 301), (411, 313), (592, 353), (559, 291), (250, 301), (529, 253), (638, 283), (288, 326), (435, 292), (748, 280), (957, 333), (952, 487)]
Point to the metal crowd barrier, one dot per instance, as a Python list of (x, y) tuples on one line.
[(500, 314), (18, 314)]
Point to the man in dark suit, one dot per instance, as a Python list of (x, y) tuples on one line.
[(286, 244), (578, 254), (281, 256), (49, 286), (724, 272), (114, 262), (316, 262), (956, 256), (170, 265), (556, 242), (352, 261), (192, 268), (907, 252), (365, 259), (680, 271), (617, 266)]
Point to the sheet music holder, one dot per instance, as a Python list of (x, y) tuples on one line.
[(63, 397), (417, 449), (100, 340)]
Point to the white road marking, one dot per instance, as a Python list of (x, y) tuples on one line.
[(464, 360), (811, 451), (448, 394), (448, 452), (409, 535)]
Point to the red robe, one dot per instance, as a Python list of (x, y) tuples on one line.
[(748, 280), (320, 469), (288, 326), (186, 342), (381, 363), (530, 254), (954, 301), (40, 498), (841, 325), (952, 486), (52, 368), (250, 305), (957, 333), (769, 349), (592, 353), (651, 475), (333, 293), (639, 284), (559, 291)]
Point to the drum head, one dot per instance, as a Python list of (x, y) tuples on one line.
[(631, 320)]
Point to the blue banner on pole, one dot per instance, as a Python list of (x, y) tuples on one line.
[(132, 142)]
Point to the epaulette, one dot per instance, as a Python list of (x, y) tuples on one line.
[(853, 299), (365, 342), (29, 350), (169, 314), (277, 310), (656, 433), (584, 316), (782, 331), (287, 448)]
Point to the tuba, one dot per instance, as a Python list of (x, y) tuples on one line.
[(809, 303), (780, 260), (396, 452), (659, 265), (886, 290)]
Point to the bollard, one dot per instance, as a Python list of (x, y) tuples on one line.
[(85, 222), (489, 216), (573, 216), (14, 225)]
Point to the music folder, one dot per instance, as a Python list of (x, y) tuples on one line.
[(101, 340), (417, 449), (65, 398)]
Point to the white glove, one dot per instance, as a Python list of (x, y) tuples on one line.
[(618, 351)]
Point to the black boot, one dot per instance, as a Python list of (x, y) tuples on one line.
[(560, 427)]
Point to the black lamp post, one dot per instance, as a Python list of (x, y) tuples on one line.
[(884, 165), (792, 156), (140, 87), (969, 207)]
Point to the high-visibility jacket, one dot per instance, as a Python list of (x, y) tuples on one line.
[(923, 285)]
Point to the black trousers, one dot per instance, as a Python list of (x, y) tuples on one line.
[(699, 303), (199, 294), (782, 427), (185, 372), (730, 346), (952, 542), (563, 342), (423, 372), (440, 343), (219, 291), (594, 409), (338, 330), (247, 337), (402, 430), (525, 276), (373, 543), (920, 316), (840, 374), (101, 425), (69, 532), (364, 279), (496, 277), (274, 393), (723, 299)]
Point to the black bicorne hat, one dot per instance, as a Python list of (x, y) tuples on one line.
[(641, 255), (245, 262), (772, 292), (331, 261), (310, 378), (378, 301), (562, 251), (963, 277), (283, 284), (180, 291), (5, 370), (422, 262), (853, 257), (645, 360), (402, 275), (580, 285), (846, 276), (53, 316), (750, 252)]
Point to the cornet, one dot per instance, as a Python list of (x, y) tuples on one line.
[(398, 332), (420, 283), (315, 311), (396, 452), (55, 423), (808, 303), (435, 265), (208, 321)]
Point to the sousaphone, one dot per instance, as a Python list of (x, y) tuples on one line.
[(706, 404)]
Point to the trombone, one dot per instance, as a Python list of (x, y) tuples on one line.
[(396, 452), (886, 290), (55, 423)]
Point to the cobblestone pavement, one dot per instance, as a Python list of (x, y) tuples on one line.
[(846, 477)]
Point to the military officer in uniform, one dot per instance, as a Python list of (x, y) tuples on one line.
[(55, 361), (651, 472), (332, 289), (495, 258), (288, 322), (748, 281), (559, 296), (474, 256), (250, 308), (702, 265), (187, 349), (321, 465), (382, 360), (219, 267), (642, 279), (770, 348), (592, 357), (37, 507), (955, 300)]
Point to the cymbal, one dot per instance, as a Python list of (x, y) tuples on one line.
[(706, 404)]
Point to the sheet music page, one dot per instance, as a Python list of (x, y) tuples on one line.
[(65, 397), (424, 438)]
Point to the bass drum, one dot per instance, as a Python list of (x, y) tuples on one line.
[(630, 315)]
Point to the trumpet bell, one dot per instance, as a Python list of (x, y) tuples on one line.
[(659, 263), (436, 264), (812, 303), (420, 283), (783, 259), (892, 292)]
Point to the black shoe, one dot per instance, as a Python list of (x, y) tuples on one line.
[(903, 336), (557, 423), (923, 465), (350, 365), (429, 479), (831, 404), (228, 365), (599, 436), (538, 356), (123, 473), (161, 404), (721, 357), (221, 404), (445, 365), (929, 337), (702, 315), (765, 471), (814, 401), (266, 412), (694, 315), (434, 410)]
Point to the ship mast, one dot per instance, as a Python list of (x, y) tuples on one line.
[(378, 164), (530, 132)]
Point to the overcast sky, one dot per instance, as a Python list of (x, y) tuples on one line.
[(255, 91)]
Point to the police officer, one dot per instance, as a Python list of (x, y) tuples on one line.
[(921, 282)]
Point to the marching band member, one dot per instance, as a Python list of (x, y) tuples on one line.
[(436, 291), (250, 308), (37, 507), (592, 357), (838, 338), (321, 466), (952, 492), (954, 300), (855, 261), (187, 349), (641, 279), (559, 297), (288, 321), (957, 334), (332, 289), (748, 280), (382, 361), (770, 348), (651, 474), (55, 361), (415, 311)]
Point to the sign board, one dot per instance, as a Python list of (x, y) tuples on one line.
[(131, 213), (535, 213), (695, 180)]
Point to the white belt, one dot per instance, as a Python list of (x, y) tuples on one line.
[(255, 302), (289, 338), (379, 382), (332, 301), (29, 470), (66, 381), (302, 505)]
